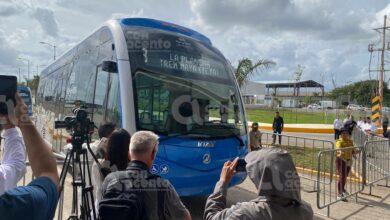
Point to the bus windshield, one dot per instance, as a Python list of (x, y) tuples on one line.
[(182, 86)]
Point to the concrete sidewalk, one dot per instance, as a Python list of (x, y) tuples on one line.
[(367, 207)]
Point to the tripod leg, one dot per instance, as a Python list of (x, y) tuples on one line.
[(89, 189), (74, 185), (64, 171)]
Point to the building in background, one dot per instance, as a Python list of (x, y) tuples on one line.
[(288, 94)]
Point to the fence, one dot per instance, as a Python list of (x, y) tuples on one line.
[(301, 115), (360, 137), (377, 158), (333, 173), (370, 164), (304, 152)]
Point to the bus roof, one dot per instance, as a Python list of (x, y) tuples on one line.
[(162, 25)]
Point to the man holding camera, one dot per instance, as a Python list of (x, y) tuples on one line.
[(273, 172), (38, 199)]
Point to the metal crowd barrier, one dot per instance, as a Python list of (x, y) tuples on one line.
[(370, 165), (330, 176), (304, 152), (360, 137), (377, 158)]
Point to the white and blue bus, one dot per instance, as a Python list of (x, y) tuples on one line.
[(145, 74)]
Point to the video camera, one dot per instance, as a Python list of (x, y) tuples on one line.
[(79, 125)]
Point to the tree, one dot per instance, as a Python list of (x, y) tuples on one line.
[(246, 69), (33, 83), (307, 100), (361, 92), (298, 73)]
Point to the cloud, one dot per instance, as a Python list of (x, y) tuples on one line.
[(9, 8), (133, 14), (322, 19), (8, 55), (47, 20)]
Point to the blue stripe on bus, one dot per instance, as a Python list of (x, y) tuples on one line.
[(152, 23)]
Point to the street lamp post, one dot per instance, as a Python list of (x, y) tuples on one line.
[(28, 68), (51, 45)]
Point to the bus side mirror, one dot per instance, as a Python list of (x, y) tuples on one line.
[(110, 66)]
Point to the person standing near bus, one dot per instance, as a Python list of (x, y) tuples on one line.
[(337, 125), (277, 127), (343, 161), (385, 124), (255, 137)]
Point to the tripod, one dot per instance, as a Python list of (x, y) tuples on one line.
[(77, 158)]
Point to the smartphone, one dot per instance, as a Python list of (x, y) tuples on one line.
[(8, 86), (241, 165)]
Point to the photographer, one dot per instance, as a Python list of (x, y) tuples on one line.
[(13, 165), (38, 199), (273, 172)]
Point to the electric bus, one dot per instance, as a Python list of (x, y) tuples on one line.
[(25, 93), (145, 74)]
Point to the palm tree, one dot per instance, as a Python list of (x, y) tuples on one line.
[(246, 69)]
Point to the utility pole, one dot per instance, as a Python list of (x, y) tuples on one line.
[(382, 70), (377, 109)]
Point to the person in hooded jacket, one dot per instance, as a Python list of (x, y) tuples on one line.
[(273, 172)]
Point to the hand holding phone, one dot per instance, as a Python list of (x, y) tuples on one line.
[(241, 165), (8, 86)]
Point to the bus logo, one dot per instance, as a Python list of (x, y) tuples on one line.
[(206, 158), (206, 143)]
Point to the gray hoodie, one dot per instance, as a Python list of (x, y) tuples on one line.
[(273, 172)]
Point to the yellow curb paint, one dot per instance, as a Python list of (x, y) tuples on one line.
[(311, 171)]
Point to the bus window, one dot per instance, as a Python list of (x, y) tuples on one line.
[(113, 114), (100, 99)]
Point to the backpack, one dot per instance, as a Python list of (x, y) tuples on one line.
[(118, 204)]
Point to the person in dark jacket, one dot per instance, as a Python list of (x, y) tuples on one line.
[(277, 127), (350, 124), (278, 186)]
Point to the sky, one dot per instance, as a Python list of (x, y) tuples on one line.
[(328, 38)]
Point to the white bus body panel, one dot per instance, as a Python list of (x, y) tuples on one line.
[(126, 81)]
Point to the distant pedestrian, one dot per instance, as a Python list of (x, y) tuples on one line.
[(361, 122), (277, 127), (343, 162), (337, 125), (255, 137), (350, 124), (385, 123)]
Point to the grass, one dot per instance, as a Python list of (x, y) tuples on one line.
[(302, 116), (307, 158), (291, 116)]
